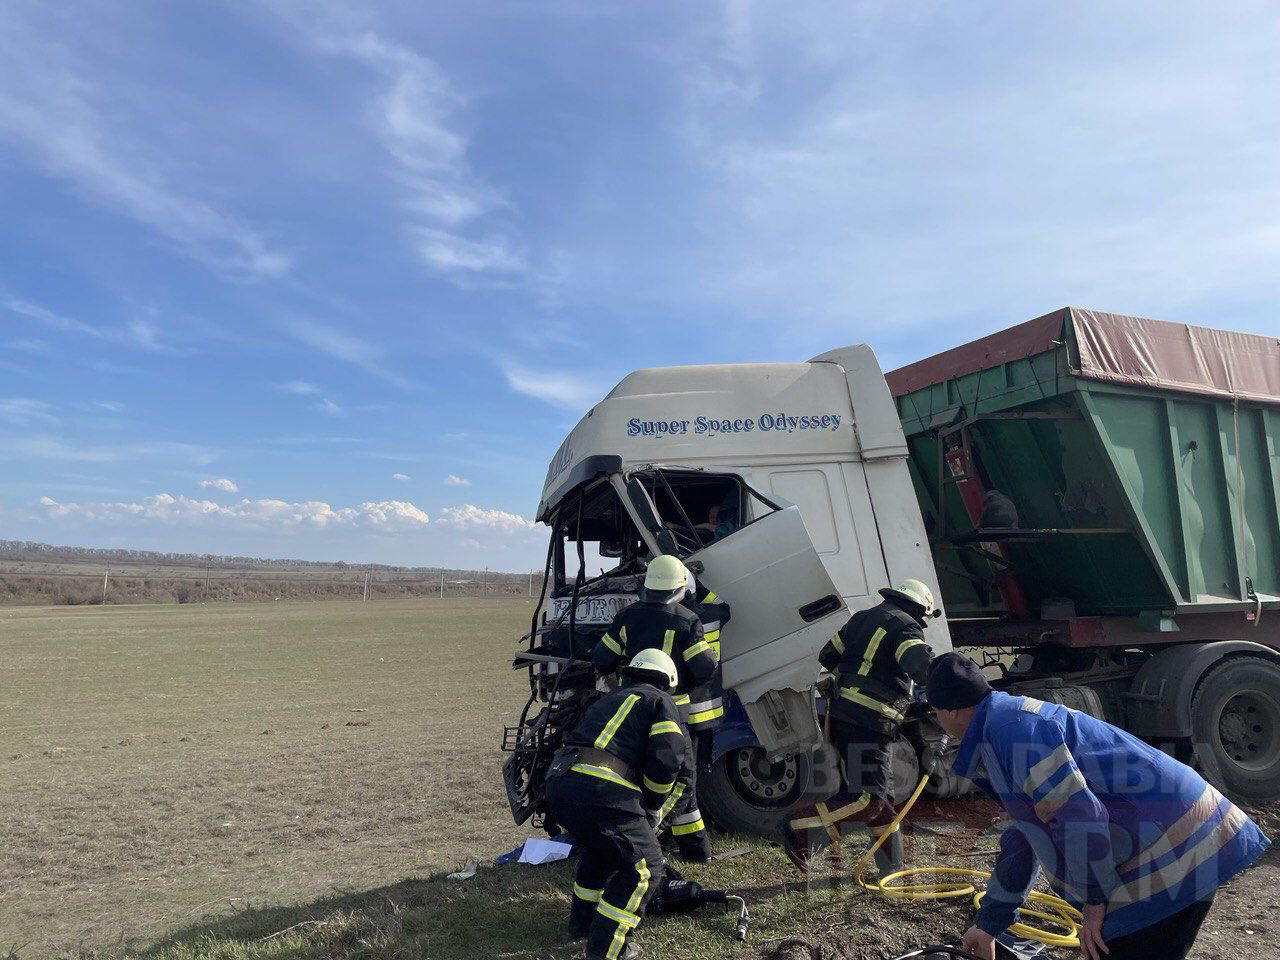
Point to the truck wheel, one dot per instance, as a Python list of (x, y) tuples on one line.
[(1235, 719), (744, 793)]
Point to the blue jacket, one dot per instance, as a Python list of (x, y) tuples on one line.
[(1107, 817)]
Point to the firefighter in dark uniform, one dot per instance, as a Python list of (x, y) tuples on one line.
[(877, 658), (658, 621), (619, 772)]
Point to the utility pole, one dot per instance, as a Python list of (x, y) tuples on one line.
[(485, 582), (441, 584), (105, 574), (531, 584), (366, 585)]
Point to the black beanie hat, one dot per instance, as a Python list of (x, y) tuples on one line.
[(955, 682)]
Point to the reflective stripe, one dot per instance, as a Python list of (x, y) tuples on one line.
[(692, 651), (710, 626), (836, 642), (668, 641), (1197, 815), (706, 705), (713, 638), (704, 716), (690, 817), (669, 804), (627, 918), (1043, 771), (1031, 705), (1166, 876), (681, 699), (612, 644), (662, 788), (623, 633), (666, 726), (604, 773), (906, 645), (591, 896), (870, 652), (1067, 788), (623, 918), (684, 829), (854, 696), (611, 727), (710, 597)]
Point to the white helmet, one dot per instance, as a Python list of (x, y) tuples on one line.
[(654, 660), (666, 574), (914, 591)]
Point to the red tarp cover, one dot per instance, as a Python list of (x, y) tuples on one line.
[(1120, 349)]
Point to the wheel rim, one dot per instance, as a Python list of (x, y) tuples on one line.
[(761, 782), (1249, 729)]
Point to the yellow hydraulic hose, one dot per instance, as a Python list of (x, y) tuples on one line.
[(1055, 911)]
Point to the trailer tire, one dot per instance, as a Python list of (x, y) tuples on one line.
[(1235, 722), (737, 802)]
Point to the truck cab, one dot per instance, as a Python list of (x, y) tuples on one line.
[(784, 488)]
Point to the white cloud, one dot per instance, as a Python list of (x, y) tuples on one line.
[(470, 517), (383, 516), (74, 125), (450, 255), (331, 408), (23, 411), (359, 352), (453, 480), (574, 391), (300, 387), (469, 542), (110, 406), (138, 333), (400, 476), (223, 484), (52, 448)]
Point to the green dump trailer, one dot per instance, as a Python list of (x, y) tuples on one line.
[(1102, 497)]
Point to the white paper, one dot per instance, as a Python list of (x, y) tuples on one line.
[(541, 850)]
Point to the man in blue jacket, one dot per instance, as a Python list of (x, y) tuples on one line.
[(1139, 842)]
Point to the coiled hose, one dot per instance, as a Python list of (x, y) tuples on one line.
[(1047, 908)]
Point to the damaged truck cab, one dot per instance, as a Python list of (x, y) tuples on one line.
[(785, 489)]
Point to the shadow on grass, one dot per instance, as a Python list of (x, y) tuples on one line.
[(515, 912)]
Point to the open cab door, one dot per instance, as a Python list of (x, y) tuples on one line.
[(785, 608)]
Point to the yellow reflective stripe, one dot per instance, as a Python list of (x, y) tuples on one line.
[(706, 715), (836, 642), (710, 597), (604, 773), (714, 639), (637, 895), (668, 640), (591, 896), (669, 804), (906, 645), (692, 651), (666, 726), (681, 699), (625, 919), (870, 653), (612, 644), (611, 727), (683, 829), (832, 816), (853, 696), (662, 788)]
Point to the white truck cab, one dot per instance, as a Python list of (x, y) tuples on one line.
[(783, 486)]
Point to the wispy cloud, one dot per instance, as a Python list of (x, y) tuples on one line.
[(453, 480), (328, 406), (570, 390), (64, 119), (383, 516), (221, 483), (24, 411), (137, 333), (110, 406), (400, 476), (359, 352), (55, 449), (299, 387)]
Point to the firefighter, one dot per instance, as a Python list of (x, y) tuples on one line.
[(877, 658), (658, 621), (619, 771), (1135, 840)]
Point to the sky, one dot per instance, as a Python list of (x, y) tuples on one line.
[(332, 281)]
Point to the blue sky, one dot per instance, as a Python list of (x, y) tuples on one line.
[(366, 264)]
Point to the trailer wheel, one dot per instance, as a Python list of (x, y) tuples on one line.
[(1235, 719), (743, 792)]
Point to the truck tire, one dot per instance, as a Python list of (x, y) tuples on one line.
[(1235, 721), (742, 792)]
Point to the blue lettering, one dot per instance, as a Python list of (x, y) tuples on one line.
[(633, 427), (835, 422)]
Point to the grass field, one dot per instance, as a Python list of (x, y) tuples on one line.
[(257, 781)]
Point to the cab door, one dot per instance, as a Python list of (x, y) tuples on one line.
[(784, 608)]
